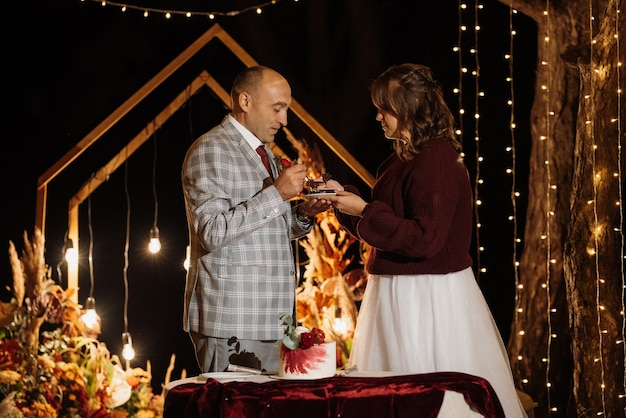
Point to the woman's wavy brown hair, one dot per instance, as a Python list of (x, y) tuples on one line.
[(409, 92)]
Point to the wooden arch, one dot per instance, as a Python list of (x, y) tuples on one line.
[(215, 32)]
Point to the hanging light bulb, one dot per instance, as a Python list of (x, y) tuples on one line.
[(71, 253), (187, 258), (340, 324), (128, 352), (90, 320), (155, 243)]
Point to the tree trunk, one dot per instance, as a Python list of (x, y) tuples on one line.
[(567, 338)]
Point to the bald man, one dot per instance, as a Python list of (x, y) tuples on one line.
[(241, 224)]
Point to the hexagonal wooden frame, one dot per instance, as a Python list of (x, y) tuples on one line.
[(104, 172)]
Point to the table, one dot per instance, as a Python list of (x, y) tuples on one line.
[(358, 396)]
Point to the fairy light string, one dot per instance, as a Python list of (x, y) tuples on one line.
[(617, 121), (168, 13), (475, 73), (596, 178), (127, 350), (459, 51), (549, 212), (154, 244), (478, 181), (90, 259), (512, 171)]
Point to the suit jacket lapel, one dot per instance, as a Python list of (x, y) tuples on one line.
[(249, 153)]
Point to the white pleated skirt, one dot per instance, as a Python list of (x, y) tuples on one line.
[(432, 323)]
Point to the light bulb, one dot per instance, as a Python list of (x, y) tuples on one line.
[(90, 319), (340, 326), (71, 253), (128, 352), (155, 243), (187, 257)]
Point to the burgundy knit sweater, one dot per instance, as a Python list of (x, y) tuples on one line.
[(420, 217)]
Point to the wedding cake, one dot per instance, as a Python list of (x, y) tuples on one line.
[(315, 362), (304, 354)]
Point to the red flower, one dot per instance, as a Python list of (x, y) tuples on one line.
[(319, 335), (283, 163), (307, 339)]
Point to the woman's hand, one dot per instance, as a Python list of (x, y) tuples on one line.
[(348, 203), (333, 184)]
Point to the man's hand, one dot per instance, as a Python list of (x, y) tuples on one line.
[(312, 207), (290, 181)]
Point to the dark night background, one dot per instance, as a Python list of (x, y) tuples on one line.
[(67, 65)]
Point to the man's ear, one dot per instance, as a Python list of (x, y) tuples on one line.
[(244, 101)]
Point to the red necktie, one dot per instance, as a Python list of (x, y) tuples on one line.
[(266, 161)]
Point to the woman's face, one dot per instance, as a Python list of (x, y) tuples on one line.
[(389, 124)]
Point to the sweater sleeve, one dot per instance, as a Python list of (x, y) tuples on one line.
[(412, 212), (349, 222)]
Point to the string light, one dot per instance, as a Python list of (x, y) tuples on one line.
[(595, 232), (459, 50), (70, 252), (478, 181), (475, 73), (462, 7), (128, 352), (168, 13), (548, 203), (513, 171), (69, 256), (618, 175), (340, 325), (90, 319), (187, 258), (154, 246)]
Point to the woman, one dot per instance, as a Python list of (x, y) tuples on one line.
[(422, 309)]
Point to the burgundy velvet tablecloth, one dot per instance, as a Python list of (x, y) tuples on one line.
[(419, 395)]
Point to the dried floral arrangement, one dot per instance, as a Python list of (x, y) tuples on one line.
[(60, 373), (65, 373), (327, 296)]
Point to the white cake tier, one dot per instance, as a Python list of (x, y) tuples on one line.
[(316, 362)]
